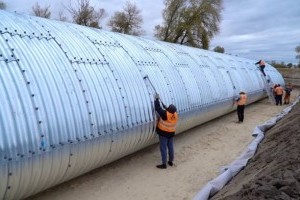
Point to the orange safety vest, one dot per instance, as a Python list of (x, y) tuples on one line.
[(242, 100), (168, 125), (279, 90), (262, 62)]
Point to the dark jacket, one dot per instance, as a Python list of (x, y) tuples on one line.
[(259, 63), (163, 114)]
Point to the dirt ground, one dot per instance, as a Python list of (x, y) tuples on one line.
[(199, 154), (274, 172)]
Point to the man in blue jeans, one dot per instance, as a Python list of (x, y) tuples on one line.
[(166, 131)]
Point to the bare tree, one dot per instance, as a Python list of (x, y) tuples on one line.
[(171, 15), (41, 12), (190, 22), (85, 14), (61, 16), (128, 21), (2, 5)]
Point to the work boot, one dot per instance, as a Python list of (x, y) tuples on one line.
[(162, 166), (170, 163)]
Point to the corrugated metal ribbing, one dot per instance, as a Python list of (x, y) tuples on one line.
[(75, 98), (274, 75), (130, 89), (4, 179), (17, 112)]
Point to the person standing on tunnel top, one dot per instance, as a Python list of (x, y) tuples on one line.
[(241, 101), (262, 66), (166, 128)]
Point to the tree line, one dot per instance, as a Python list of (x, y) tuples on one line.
[(187, 22), (289, 65)]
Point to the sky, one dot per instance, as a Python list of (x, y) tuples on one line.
[(260, 29)]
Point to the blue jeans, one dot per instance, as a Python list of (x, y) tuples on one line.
[(278, 99), (166, 144)]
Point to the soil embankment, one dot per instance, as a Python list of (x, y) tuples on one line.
[(274, 172)]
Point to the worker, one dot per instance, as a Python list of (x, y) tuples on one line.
[(166, 128), (273, 90), (262, 66), (278, 94), (288, 89), (241, 101)]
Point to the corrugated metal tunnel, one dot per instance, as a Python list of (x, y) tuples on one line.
[(73, 98)]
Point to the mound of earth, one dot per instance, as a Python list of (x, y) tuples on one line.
[(274, 171)]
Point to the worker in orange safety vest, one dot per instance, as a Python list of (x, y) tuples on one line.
[(241, 101), (288, 89), (278, 94), (166, 128)]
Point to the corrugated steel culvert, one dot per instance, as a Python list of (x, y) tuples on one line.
[(74, 98)]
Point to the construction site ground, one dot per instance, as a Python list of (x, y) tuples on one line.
[(274, 172), (199, 154)]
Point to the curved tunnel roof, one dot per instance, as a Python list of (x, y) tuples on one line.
[(75, 98)]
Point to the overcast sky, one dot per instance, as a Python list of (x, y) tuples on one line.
[(260, 29)]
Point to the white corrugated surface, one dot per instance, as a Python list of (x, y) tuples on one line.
[(74, 98)]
